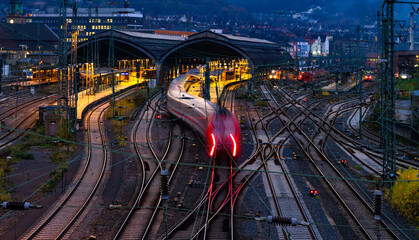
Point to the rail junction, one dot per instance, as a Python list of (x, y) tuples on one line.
[(146, 171)]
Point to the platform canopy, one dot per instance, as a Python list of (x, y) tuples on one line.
[(163, 49)]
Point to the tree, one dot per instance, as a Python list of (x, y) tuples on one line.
[(405, 194)]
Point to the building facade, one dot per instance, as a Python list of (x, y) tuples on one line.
[(302, 49), (90, 21), (15, 13), (319, 48)]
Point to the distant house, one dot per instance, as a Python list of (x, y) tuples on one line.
[(319, 48), (300, 48)]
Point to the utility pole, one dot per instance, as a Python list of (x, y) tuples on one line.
[(297, 65), (39, 54), (62, 48), (379, 47), (207, 80), (388, 94), (90, 51), (1, 71), (313, 86), (111, 58), (358, 58), (336, 82), (73, 94)]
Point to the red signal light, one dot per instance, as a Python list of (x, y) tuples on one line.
[(343, 161), (305, 100), (158, 116), (313, 193)]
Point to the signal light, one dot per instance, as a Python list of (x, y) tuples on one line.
[(343, 161), (158, 116), (313, 193), (305, 100)]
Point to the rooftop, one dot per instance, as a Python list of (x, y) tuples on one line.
[(13, 36)]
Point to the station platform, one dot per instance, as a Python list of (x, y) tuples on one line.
[(354, 119), (196, 89), (216, 87), (27, 83), (345, 87), (85, 99)]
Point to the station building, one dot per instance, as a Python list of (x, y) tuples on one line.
[(171, 55), (88, 21)]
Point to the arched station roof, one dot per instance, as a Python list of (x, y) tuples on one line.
[(160, 48)]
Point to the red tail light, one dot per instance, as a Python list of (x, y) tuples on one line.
[(213, 145), (313, 193), (234, 145)]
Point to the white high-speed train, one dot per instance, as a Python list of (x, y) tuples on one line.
[(216, 125), (191, 109)]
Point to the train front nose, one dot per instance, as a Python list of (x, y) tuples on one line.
[(223, 135)]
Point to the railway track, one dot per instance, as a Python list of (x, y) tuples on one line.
[(212, 221), (291, 205), (8, 135), (342, 189), (59, 221), (373, 138), (11, 109), (220, 190), (372, 160), (150, 219), (218, 193)]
